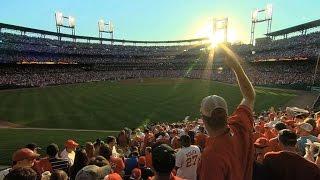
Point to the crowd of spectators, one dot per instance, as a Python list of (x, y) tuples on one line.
[(243, 145), (304, 39), (285, 73), (114, 62), (138, 154), (301, 46), (276, 144), (23, 43)]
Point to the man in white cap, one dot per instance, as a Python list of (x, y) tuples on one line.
[(304, 131), (229, 154)]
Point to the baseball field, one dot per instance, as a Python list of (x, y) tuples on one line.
[(109, 106)]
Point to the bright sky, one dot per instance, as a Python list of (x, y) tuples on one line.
[(158, 19)]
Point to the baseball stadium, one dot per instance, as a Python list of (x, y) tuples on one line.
[(135, 104)]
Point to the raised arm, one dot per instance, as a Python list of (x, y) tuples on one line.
[(246, 88)]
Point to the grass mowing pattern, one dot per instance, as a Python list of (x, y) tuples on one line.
[(114, 105), (110, 106)]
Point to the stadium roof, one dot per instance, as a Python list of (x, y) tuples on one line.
[(44, 32), (297, 28)]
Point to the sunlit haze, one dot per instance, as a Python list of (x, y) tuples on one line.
[(159, 20)]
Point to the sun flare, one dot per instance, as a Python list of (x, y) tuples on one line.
[(216, 37)]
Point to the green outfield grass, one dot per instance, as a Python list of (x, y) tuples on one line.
[(114, 105), (110, 106)]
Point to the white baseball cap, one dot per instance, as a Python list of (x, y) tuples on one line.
[(306, 126), (211, 103), (294, 111)]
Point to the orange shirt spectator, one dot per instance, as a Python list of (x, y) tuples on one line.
[(285, 165), (268, 133), (117, 164), (290, 124), (200, 140), (257, 135), (42, 165), (148, 157), (274, 145), (260, 127), (261, 148), (232, 152), (149, 160), (148, 139)]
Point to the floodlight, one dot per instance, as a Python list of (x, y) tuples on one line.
[(101, 25), (255, 19), (59, 18), (220, 24), (269, 11), (110, 26), (255, 15), (72, 22)]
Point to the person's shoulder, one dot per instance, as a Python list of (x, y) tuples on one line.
[(182, 151), (272, 154), (194, 147), (241, 119), (243, 108), (44, 159), (241, 112), (64, 152), (179, 151), (58, 160), (116, 159), (273, 140), (177, 178), (4, 172)]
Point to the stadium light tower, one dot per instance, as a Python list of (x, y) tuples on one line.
[(268, 11), (102, 29), (70, 23), (221, 24)]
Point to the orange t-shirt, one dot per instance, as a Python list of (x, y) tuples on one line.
[(261, 124), (268, 134), (230, 155), (117, 164), (274, 145), (201, 139), (285, 165), (148, 140), (290, 124), (257, 135), (42, 165), (149, 160)]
